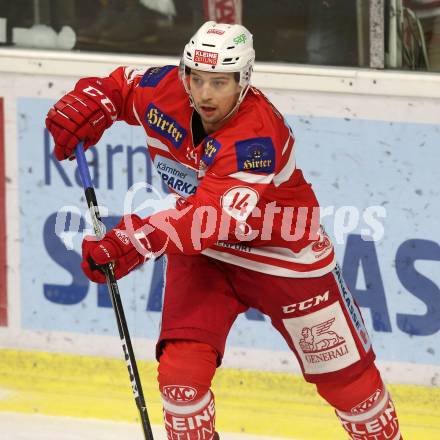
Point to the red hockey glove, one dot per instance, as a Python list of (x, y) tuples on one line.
[(82, 115), (126, 246)]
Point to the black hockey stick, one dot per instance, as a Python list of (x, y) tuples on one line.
[(113, 290)]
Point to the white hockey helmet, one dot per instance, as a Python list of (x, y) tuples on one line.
[(220, 47)]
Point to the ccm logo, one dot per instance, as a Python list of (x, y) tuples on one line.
[(179, 393), (108, 105), (307, 304)]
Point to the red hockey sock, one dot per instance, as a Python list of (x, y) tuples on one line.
[(363, 406), (186, 369)]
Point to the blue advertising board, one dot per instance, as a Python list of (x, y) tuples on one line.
[(390, 254)]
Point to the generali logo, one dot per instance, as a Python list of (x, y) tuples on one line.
[(179, 393), (320, 344), (205, 57)]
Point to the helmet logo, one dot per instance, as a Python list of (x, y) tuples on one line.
[(204, 57), (240, 39), (215, 31)]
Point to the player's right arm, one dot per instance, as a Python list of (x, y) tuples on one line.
[(84, 113)]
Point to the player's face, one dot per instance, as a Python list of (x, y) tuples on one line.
[(215, 95)]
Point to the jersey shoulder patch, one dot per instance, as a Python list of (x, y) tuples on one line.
[(211, 147), (154, 75), (165, 125), (255, 155)]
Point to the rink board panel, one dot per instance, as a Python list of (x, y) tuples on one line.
[(261, 403), (394, 278), (3, 250), (363, 138)]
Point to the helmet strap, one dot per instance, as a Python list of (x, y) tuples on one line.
[(243, 93)]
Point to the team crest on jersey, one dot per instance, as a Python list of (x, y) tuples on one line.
[(256, 155), (165, 125), (153, 76), (210, 150)]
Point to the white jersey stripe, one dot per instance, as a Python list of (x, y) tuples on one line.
[(136, 115), (289, 138), (156, 143), (305, 256), (252, 178), (247, 263), (285, 174)]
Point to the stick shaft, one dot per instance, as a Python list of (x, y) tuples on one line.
[(115, 296)]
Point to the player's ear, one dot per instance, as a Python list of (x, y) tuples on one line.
[(237, 87), (237, 81)]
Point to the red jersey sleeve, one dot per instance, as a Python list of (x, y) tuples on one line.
[(127, 87), (126, 81)]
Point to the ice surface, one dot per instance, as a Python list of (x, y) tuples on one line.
[(15, 426)]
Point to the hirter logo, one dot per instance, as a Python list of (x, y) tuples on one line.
[(205, 57), (256, 155), (179, 393), (319, 338), (165, 125)]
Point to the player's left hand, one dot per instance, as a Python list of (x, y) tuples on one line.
[(126, 246)]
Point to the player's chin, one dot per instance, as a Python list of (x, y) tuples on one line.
[(210, 119)]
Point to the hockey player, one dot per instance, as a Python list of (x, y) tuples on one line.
[(244, 233)]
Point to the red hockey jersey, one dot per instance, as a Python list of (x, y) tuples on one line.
[(242, 199)]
